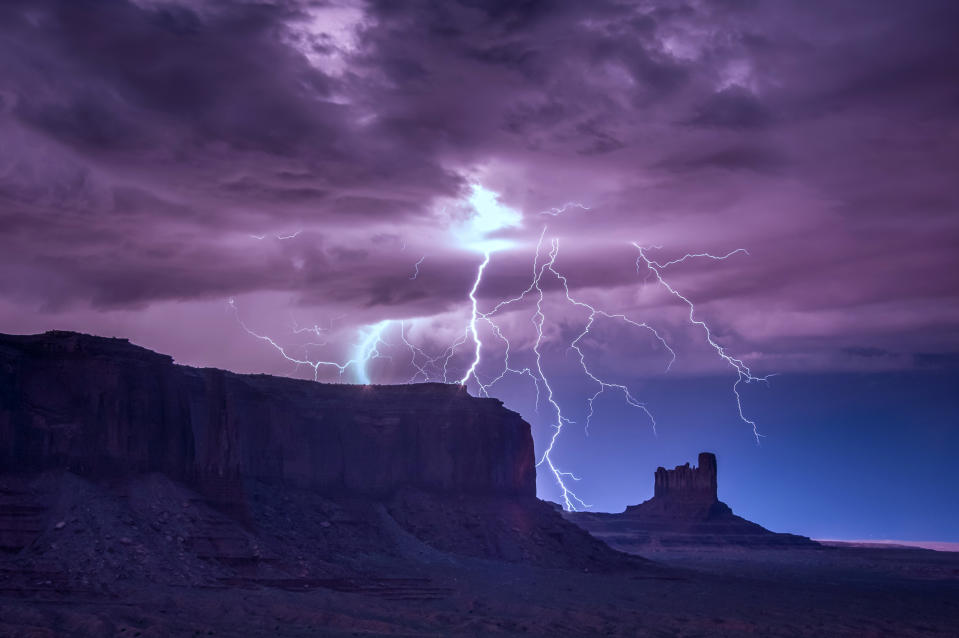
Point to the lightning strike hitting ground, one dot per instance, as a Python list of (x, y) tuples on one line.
[(570, 500), (472, 325), (491, 216)]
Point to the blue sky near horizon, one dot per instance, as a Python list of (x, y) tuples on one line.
[(844, 456)]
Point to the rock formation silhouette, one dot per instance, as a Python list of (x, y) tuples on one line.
[(102, 407), (685, 481), (685, 511), (116, 463)]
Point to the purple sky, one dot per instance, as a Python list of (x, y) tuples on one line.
[(147, 144)]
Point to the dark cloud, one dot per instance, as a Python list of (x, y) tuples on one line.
[(128, 70), (751, 158), (937, 360), (734, 107), (146, 144), (867, 352)]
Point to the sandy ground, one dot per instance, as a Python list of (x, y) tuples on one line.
[(149, 557), (831, 592)]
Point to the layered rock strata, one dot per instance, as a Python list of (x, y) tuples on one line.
[(102, 407), (116, 465)]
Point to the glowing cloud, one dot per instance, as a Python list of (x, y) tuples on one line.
[(485, 215), (477, 219)]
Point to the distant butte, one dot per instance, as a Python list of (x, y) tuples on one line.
[(685, 512)]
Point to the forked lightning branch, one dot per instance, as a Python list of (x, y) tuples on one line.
[(478, 234)]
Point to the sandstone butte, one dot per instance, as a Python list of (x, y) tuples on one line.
[(685, 512)]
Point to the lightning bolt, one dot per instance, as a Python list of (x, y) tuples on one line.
[(422, 372), (555, 211), (540, 378), (575, 345), (366, 350), (570, 500), (416, 267), (743, 373), (371, 344), (278, 236), (471, 371)]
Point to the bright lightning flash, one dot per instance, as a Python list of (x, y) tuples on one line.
[(743, 373), (485, 216), (488, 216), (570, 500), (371, 338), (555, 211)]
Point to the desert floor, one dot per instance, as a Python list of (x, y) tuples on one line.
[(828, 592)]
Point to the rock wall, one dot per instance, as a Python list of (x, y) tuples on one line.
[(102, 407)]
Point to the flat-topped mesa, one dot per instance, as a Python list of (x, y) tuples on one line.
[(105, 407), (689, 483), (349, 471)]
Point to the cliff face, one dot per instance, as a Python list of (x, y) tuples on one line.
[(208, 477), (103, 407)]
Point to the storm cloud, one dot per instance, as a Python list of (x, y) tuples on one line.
[(159, 158)]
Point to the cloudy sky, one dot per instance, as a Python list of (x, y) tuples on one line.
[(175, 172)]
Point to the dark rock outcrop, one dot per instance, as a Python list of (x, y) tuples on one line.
[(685, 493), (688, 482), (685, 512), (116, 463), (102, 407)]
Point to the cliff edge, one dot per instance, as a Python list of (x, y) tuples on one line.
[(103, 407)]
